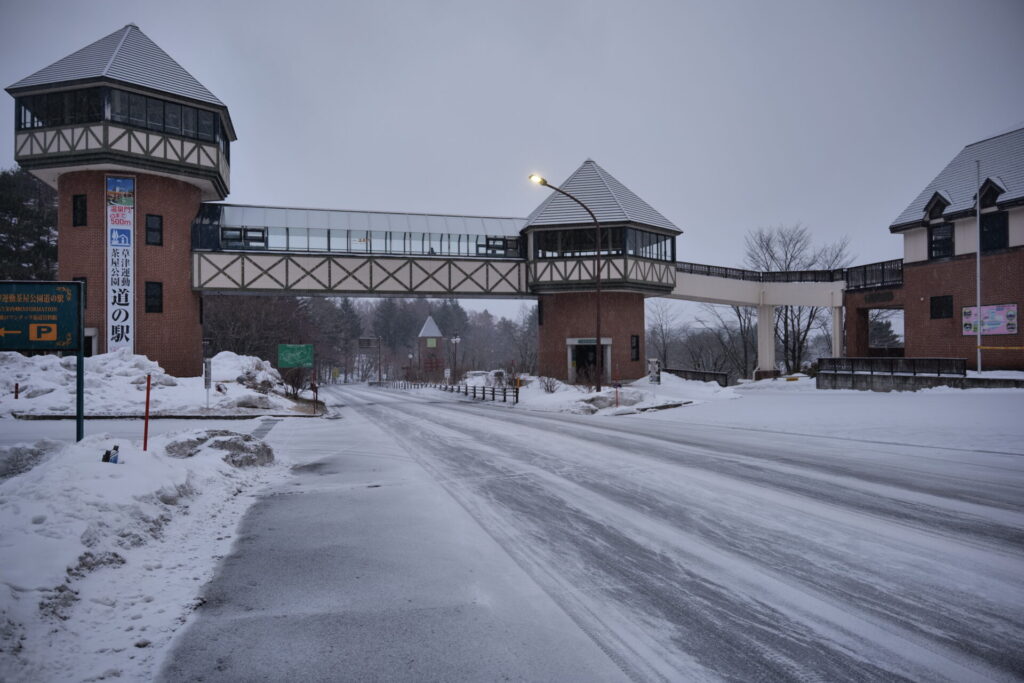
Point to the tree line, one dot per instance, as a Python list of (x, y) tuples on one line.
[(255, 325)]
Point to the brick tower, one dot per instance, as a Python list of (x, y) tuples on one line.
[(132, 143), (637, 258)]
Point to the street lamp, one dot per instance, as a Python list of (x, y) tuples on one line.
[(455, 356), (597, 271)]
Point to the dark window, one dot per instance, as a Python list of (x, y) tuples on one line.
[(79, 213), (155, 113), (634, 347), (85, 289), (154, 229), (120, 109), (201, 311), (172, 118), (940, 241), (995, 231), (188, 122), (540, 312), (154, 297), (137, 110), (942, 306), (936, 210), (204, 125)]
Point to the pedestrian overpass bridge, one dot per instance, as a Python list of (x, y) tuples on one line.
[(308, 252)]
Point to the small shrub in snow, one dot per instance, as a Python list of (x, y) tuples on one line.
[(549, 384)]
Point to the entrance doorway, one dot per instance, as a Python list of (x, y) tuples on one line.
[(582, 359)]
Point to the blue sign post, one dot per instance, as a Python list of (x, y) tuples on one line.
[(46, 316)]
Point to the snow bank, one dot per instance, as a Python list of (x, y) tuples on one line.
[(72, 517), (115, 384), (636, 397)]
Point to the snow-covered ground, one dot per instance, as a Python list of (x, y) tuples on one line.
[(115, 384), (815, 513)]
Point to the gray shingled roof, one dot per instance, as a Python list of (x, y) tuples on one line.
[(126, 55), (1002, 160), (430, 328), (610, 200)]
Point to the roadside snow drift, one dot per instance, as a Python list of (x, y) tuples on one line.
[(68, 514), (115, 384)]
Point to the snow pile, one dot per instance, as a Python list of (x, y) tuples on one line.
[(115, 384), (77, 536), (636, 397)]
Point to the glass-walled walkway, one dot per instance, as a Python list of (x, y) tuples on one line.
[(258, 228)]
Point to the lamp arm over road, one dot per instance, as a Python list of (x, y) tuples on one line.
[(597, 273)]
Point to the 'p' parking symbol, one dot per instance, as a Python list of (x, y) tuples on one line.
[(42, 332)]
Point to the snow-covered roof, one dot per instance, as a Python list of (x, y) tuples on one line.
[(430, 328), (1002, 161), (126, 55), (610, 200)]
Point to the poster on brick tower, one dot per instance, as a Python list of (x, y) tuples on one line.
[(120, 263)]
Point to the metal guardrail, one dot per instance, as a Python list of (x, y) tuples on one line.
[(894, 366), (881, 274), (700, 375), (502, 394)]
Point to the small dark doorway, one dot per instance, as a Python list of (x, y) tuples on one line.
[(584, 363)]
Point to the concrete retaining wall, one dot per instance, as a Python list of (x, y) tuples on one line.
[(865, 382)]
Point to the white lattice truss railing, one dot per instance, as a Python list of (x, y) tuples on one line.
[(103, 137), (613, 270), (365, 275)]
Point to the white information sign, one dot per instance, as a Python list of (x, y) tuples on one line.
[(120, 205)]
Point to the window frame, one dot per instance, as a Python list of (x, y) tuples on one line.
[(158, 230), (154, 299), (941, 307), (79, 210), (995, 228), (934, 251)]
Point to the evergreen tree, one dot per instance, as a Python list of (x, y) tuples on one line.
[(28, 227)]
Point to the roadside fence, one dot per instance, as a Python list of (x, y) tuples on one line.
[(503, 394)]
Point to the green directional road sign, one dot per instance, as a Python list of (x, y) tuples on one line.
[(294, 355), (46, 316), (40, 316)]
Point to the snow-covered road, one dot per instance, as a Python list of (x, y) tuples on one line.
[(684, 552)]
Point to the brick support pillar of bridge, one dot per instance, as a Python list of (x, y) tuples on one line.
[(567, 320), (173, 335)]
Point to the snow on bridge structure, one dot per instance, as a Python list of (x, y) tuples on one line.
[(138, 151)]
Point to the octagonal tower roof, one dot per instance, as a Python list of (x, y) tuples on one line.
[(610, 200)]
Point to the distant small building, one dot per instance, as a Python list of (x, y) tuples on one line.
[(430, 362)]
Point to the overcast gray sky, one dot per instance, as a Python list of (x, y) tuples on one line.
[(724, 116)]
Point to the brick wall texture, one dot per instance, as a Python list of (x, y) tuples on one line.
[(1002, 283), (173, 337), (572, 314)]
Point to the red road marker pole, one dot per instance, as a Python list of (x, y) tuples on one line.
[(145, 429)]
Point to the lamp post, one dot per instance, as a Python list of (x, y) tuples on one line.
[(597, 272), (455, 357)]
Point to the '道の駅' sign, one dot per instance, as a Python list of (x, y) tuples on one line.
[(120, 205), (40, 316)]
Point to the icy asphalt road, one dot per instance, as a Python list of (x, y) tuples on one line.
[(502, 544)]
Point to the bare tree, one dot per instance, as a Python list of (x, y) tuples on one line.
[(733, 331), (789, 248), (663, 328)]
